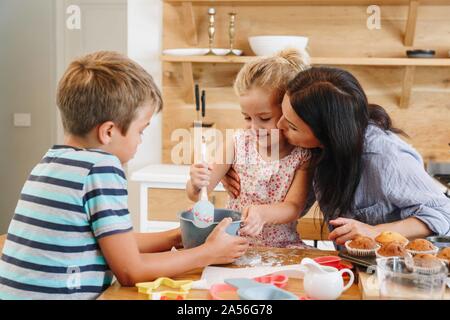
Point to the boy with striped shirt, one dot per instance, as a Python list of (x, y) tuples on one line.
[(71, 231)]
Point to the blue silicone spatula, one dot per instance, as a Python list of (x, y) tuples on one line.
[(249, 289), (203, 210)]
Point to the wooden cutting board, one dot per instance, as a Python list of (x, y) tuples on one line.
[(368, 285)]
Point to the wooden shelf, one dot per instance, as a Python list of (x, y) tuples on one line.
[(425, 62), (408, 63)]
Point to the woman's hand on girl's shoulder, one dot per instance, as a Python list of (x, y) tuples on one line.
[(232, 183)]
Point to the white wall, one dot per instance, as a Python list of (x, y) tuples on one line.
[(27, 85), (144, 46)]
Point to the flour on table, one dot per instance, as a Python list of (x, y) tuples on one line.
[(254, 259)]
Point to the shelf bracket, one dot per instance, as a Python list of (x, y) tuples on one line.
[(411, 23), (188, 22), (408, 81), (188, 81)]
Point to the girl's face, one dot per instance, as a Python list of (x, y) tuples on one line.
[(261, 113), (294, 129)]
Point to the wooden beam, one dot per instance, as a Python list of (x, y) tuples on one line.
[(189, 26), (408, 81), (188, 80), (411, 23)]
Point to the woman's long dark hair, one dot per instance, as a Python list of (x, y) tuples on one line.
[(333, 104)]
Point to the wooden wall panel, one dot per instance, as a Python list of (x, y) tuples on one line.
[(334, 31)]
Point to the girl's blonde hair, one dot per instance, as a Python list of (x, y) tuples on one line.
[(273, 73)]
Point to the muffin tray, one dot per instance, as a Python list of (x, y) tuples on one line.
[(360, 261)]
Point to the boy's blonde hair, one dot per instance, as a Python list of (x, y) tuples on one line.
[(104, 86), (272, 73)]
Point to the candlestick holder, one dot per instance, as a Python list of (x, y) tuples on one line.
[(232, 32), (211, 29)]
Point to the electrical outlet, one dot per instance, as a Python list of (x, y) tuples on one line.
[(22, 119)]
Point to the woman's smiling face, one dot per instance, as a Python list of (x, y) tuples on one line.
[(294, 129)]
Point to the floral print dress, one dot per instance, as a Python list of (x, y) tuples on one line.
[(266, 182)]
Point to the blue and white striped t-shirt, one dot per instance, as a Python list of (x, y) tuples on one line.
[(72, 198)]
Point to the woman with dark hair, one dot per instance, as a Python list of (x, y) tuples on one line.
[(366, 179)]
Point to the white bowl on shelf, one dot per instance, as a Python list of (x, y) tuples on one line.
[(198, 51), (269, 45)]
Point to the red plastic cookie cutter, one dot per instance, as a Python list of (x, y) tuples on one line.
[(279, 280), (335, 262)]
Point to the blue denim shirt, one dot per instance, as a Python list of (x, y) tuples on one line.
[(394, 185)]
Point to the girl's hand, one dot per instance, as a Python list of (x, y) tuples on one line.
[(200, 175), (348, 229), (253, 221)]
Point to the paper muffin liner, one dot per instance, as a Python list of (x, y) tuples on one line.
[(360, 252), (422, 269), (381, 256), (432, 252), (446, 262), (430, 270)]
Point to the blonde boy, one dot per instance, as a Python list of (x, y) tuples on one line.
[(71, 231)]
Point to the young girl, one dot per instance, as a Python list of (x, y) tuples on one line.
[(272, 172)]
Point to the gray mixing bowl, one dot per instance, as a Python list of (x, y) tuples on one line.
[(193, 236)]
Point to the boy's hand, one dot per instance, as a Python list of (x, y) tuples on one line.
[(223, 247), (200, 175), (177, 241), (253, 221)]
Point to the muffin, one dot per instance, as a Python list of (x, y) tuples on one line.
[(389, 236), (444, 255), (421, 246), (361, 246), (427, 263), (391, 249)]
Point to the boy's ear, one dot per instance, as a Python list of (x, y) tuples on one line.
[(105, 132)]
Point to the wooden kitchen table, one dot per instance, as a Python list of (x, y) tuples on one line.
[(285, 256)]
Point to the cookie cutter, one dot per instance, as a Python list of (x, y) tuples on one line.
[(179, 289), (279, 280)]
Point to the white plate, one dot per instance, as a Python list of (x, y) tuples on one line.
[(198, 52), (186, 52)]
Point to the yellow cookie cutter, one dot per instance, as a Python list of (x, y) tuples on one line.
[(148, 288)]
